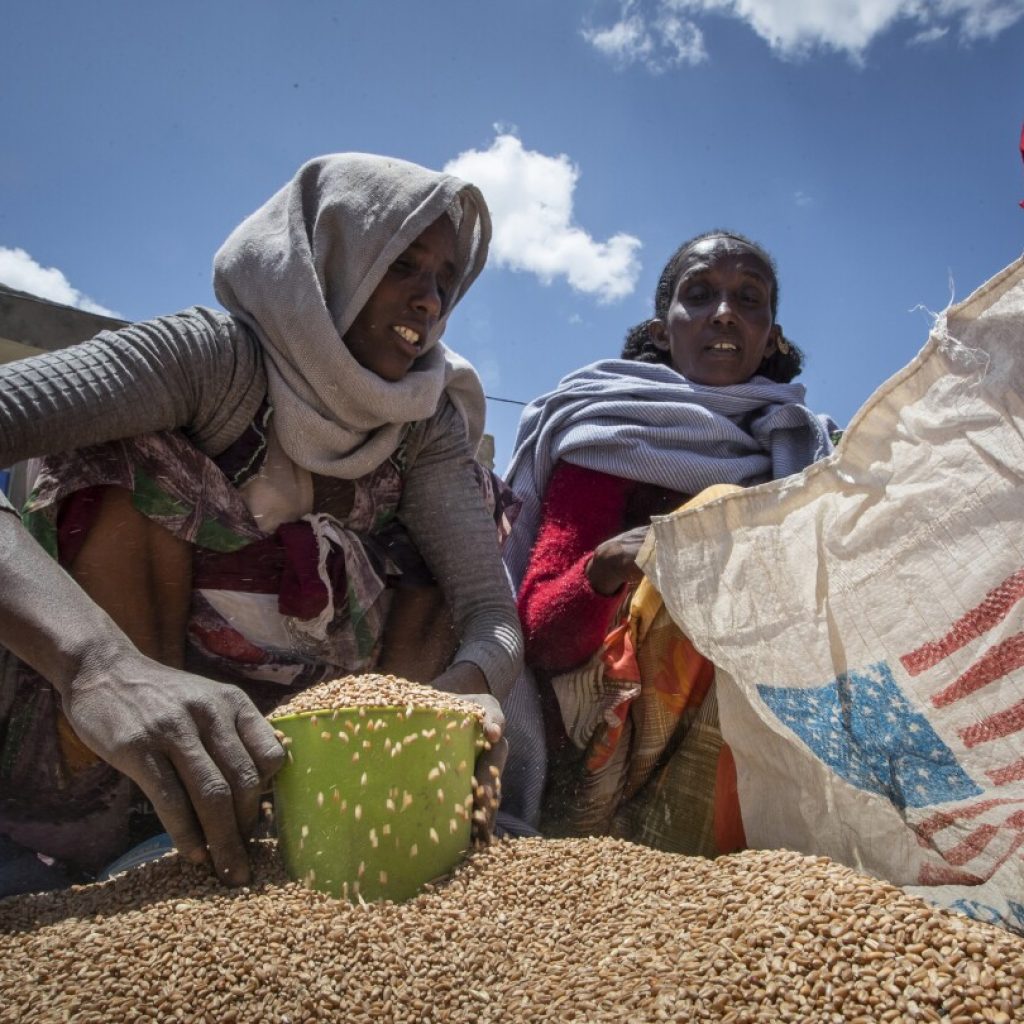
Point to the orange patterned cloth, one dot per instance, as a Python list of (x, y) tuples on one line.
[(646, 760)]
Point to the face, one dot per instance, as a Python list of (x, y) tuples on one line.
[(719, 326), (389, 332)]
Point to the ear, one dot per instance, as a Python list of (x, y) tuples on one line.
[(658, 334), (773, 341)]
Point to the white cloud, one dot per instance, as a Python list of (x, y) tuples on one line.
[(659, 41), (802, 198), (18, 270), (625, 41), (929, 35), (530, 196), (798, 27)]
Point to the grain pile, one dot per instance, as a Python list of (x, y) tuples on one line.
[(527, 930), (373, 690)]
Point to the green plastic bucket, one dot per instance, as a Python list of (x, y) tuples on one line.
[(374, 802)]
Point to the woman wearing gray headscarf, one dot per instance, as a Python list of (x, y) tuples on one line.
[(264, 497)]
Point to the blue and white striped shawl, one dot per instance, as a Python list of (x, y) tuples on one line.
[(645, 422)]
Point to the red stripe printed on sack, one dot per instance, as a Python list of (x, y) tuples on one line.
[(995, 727), (994, 664), (987, 833), (995, 606), (944, 819), (934, 875), (1011, 773), (974, 844)]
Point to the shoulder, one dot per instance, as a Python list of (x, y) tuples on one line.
[(219, 327), (443, 435)]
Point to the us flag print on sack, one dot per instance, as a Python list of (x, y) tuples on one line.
[(866, 730)]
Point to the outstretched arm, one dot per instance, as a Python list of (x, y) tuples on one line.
[(198, 370), (198, 749)]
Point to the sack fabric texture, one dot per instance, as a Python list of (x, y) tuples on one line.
[(866, 620)]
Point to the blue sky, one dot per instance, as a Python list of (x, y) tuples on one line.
[(871, 147)]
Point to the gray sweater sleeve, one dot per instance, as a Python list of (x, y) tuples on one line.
[(199, 370), (443, 510)]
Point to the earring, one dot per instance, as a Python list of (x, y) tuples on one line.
[(783, 346)]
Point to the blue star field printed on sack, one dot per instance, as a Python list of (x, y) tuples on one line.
[(862, 726), (992, 915)]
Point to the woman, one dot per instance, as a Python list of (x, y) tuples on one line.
[(701, 397), (264, 497)]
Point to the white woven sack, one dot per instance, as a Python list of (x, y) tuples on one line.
[(867, 621)]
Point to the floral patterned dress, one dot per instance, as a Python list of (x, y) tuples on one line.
[(270, 611)]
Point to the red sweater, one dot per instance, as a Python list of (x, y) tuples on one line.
[(564, 620)]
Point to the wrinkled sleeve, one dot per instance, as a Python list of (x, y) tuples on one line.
[(199, 370), (564, 619), (443, 509)]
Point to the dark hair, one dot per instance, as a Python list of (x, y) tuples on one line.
[(639, 345)]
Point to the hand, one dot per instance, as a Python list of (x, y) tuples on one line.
[(198, 749), (614, 561), (465, 679)]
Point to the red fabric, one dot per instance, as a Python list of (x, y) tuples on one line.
[(284, 563), (302, 592), (74, 521), (564, 620), (254, 569), (728, 822)]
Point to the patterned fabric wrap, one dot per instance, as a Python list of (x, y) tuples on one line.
[(642, 720), (304, 603), (637, 700), (264, 608)]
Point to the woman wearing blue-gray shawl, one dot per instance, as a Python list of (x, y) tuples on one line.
[(645, 422), (701, 398)]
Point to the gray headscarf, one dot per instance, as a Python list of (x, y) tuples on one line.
[(299, 270)]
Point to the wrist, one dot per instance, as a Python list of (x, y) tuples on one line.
[(92, 660), (463, 677)]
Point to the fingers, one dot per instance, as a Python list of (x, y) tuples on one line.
[(225, 775), (494, 721), (157, 778), (249, 756), (206, 787), (268, 755), (487, 789), (634, 574), (260, 741), (237, 769), (213, 800)]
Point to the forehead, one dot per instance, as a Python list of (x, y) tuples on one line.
[(438, 239), (719, 251)]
